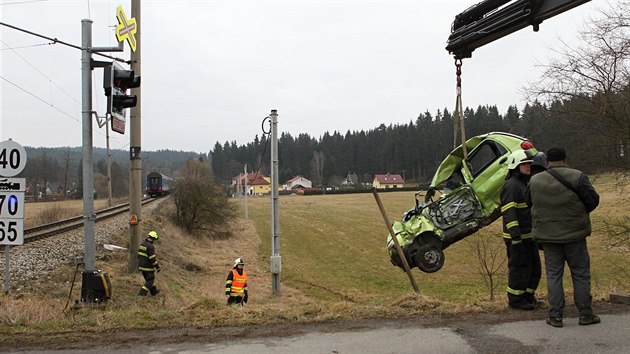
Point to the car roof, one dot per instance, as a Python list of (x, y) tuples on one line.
[(453, 160)]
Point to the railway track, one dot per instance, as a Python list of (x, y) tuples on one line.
[(55, 228)]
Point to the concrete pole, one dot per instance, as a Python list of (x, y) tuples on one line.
[(88, 171), (276, 260), (246, 213), (135, 163), (109, 165)]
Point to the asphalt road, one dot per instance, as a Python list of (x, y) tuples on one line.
[(409, 336)]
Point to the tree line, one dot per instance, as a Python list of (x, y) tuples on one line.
[(415, 149), (58, 173), (581, 102)]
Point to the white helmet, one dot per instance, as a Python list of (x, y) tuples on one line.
[(238, 261), (518, 157)]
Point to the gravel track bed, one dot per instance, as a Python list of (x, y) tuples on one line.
[(34, 260)]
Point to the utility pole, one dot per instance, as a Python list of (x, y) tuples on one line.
[(238, 186), (135, 140), (276, 260), (88, 173), (246, 213), (88, 156), (109, 166), (91, 276)]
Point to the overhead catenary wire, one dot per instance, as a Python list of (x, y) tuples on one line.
[(39, 71), (55, 41), (28, 46), (39, 98), (51, 105)]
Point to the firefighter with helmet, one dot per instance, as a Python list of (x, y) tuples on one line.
[(236, 284), (524, 269), (148, 264)]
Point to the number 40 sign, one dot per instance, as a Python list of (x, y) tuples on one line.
[(12, 162)]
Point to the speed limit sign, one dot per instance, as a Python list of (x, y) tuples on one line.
[(12, 158), (12, 162)]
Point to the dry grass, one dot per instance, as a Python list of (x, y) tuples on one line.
[(334, 266), (38, 213)]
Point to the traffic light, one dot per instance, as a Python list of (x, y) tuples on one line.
[(116, 82)]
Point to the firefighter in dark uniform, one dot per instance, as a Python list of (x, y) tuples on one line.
[(148, 264), (236, 284), (524, 269)]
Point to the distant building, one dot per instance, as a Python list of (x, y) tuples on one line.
[(387, 181), (256, 183), (297, 182), (351, 180)]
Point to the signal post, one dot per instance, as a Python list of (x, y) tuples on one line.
[(95, 286), (133, 37)]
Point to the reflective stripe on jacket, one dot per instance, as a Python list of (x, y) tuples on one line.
[(517, 216), (147, 259), (236, 284)]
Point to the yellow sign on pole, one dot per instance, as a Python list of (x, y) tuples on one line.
[(126, 28)]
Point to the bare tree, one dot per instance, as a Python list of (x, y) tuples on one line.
[(317, 165), (617, 231), (594, 78), (491, 256), (66, 162)]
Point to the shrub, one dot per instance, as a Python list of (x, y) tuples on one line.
[(201, 204)]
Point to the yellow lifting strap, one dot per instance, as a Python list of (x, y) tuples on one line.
[(458, 116)]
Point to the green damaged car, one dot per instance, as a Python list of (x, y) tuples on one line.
[(469, 200)]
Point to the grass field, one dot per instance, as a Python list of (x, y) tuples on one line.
[(334, 266), (333, 247)]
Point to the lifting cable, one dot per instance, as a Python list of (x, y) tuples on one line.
[(458, 116)]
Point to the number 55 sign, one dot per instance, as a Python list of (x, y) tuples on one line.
[(12, 162)]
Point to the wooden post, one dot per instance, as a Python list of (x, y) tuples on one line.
[(398, 249)]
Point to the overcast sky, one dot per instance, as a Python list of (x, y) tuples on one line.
[(212, 70)]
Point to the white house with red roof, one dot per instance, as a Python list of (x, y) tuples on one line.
[(298, 182), (387, 181)]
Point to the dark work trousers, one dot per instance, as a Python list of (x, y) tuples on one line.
[(235, 300), (524, 271), (575, 254), (149, 279)]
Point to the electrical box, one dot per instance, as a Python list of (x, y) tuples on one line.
[(276, 264)]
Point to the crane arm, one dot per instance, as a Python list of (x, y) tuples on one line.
[(486, 21)]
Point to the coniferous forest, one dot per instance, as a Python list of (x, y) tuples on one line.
[(414, 150)]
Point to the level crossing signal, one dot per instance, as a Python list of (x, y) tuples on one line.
[(116, 82)]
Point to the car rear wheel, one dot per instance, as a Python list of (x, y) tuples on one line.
[(429, 258)]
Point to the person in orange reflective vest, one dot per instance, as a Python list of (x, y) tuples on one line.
[(236, 284), (148, 264)]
